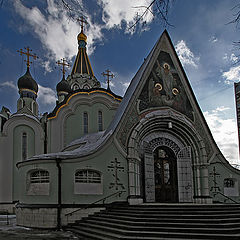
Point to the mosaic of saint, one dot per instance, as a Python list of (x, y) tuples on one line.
[(164, 88)]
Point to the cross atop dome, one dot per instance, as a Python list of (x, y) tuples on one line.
[(82, 21), (108, 75), (64, 64), (28, 54)]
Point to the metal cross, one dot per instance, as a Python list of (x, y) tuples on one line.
[(215, 187), (115, 167), (64, 64), (82, 20), (28, 50), (108, 77)]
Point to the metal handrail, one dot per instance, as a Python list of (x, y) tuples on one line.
[(226, 197), (90, 204), (5, 212)]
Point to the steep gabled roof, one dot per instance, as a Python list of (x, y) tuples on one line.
[(131, 89)]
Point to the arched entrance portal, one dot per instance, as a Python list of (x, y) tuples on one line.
[(167, 165), (165, 175)]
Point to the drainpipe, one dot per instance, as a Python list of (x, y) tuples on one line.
[(59, 205)]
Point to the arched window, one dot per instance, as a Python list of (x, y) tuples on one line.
[(38, 182), (87, 176), (100, 121), (34, 108), (39, 176), (20, 103), (85, 123), (24, 146)]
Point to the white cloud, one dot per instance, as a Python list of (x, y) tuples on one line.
[(185, 55), (213, 39), (114, 12), (46, 96), (8, 84), (232, 75), (225, 57), (47, 67), (224, 131), (233, 58), (55, 30)]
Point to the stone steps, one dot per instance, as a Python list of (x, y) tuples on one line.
[(161, 222), (95, 219)]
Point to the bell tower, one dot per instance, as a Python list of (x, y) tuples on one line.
[(82, 75), (27, 86)]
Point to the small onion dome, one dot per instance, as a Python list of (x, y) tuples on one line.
[(27, 82), (63, 86), (82, 36)]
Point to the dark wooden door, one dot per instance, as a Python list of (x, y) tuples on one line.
[(165, 171)]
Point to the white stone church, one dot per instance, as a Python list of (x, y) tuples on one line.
[(151, 146)]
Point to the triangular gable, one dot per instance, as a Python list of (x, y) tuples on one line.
[(160, 82)]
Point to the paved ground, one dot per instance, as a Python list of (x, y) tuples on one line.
[(13, 232)]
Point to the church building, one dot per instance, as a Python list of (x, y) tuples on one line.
[(151, 146)]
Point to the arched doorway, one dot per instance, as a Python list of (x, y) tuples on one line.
[(165, 175)]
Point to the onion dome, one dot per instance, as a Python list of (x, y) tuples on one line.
[(63, 86), (82, 37), (26, 82)]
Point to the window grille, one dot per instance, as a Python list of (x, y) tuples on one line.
[(40, 176), (229, 183), (85, 123), (87, 176), (100, 121)]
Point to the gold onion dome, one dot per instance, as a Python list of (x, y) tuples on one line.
[(82, 36)]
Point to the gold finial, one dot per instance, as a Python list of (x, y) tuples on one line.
[(82, 20), (64, 64), (28, 50), (108, 77)]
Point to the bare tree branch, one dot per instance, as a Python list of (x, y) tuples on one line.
[(1, 3), (73, 8), (158, 8), (236, 15)]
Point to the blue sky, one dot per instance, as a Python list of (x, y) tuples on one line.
[(201, 35)]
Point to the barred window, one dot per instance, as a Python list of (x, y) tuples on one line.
[(24, 146), (100, 121), (229, 183), (85, 123), (39, 176), (87, 176)]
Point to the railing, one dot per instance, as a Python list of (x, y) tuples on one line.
[(100, 200), (226, 197), (5, 212)]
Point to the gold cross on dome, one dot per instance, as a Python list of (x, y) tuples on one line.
[(28, 54), (82, 21), (64, 64), (108, 77)]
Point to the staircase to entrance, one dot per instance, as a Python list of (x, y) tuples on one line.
[(161, 221)]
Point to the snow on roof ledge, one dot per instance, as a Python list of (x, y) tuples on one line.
[(90, 147)]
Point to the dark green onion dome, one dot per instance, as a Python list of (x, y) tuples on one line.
[(26, 82), (63, 86)]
